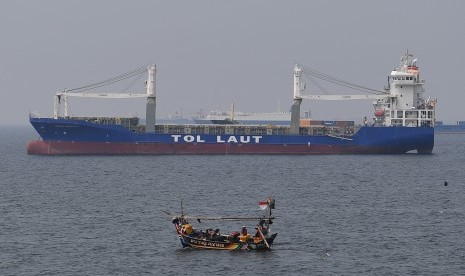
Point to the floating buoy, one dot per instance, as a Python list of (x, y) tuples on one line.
[(445, 183)]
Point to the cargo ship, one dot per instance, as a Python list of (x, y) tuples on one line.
[(457, 128), (403, 121)]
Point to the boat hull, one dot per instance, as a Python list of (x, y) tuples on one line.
[(188, 241), (38, 147), (73, 137)]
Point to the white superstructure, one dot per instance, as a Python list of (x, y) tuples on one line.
[(401, 104), (405, 105)]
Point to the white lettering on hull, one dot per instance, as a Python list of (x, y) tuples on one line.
[(244, 139), (233, 139)]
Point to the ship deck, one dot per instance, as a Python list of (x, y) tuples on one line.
[(340, 128)]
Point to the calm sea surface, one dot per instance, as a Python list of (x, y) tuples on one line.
[(337, 214)]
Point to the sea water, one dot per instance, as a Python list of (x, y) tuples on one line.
[(336, 214)]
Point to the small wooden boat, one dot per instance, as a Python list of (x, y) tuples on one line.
[(213, 239)]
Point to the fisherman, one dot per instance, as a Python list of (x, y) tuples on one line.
[(244, 237), (212, 233), (257, 234), (262, 229), (234, 236)]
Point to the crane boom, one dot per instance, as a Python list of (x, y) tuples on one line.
[(342, 97), (103, 95), (62, 96), (299, 88)]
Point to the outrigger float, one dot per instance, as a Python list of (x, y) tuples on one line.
[(213, 239)]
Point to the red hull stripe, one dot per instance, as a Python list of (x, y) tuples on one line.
[(100, 148)]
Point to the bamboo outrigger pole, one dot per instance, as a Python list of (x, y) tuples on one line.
[(263, 237)]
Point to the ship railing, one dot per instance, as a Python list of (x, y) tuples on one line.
[(344, 131)]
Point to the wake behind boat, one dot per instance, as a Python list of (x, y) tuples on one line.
[(193, 237)]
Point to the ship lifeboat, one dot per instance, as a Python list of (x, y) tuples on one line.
[(379, 112)]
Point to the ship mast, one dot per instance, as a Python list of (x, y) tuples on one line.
[(295, 108), (150, 110), (232, 112)]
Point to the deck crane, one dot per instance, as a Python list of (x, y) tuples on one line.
[(62, 96)]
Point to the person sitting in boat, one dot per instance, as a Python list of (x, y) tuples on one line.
[(244, 237), (186, 229), (262, 229), (216, 236), (257, 234), (234, 236), (212, 233)]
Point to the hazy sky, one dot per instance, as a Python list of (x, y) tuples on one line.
[(209, 53)]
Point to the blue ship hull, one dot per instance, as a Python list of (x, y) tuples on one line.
[(74, 137)]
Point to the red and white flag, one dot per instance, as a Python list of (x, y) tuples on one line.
[(263, 205)]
